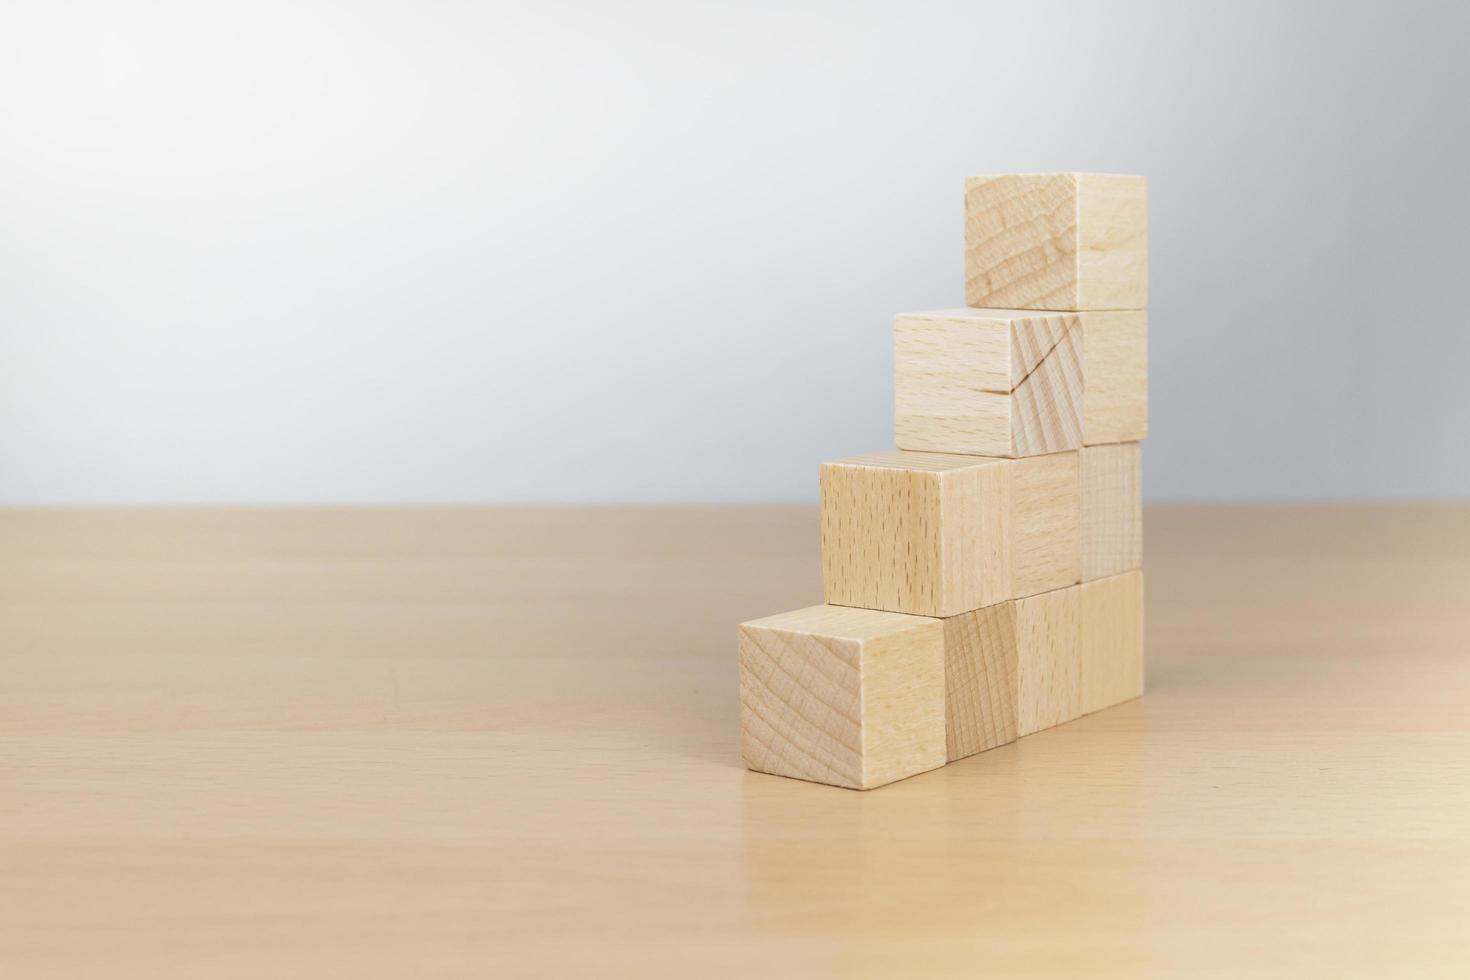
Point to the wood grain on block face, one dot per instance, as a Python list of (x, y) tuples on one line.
[(948, 348), (1048, 660), (988, 382), (1112, 509), (1112, 640), (1034, 336), (980, 679), (903, 704), (920, 533), (1115, 367), (1056, 241), (848, 697), (1046, 408), (1021, 241), (1046, 526)]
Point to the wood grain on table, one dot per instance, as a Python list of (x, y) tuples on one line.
[(395, 743)]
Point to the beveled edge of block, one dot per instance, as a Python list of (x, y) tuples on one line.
[(983, 314), (1139, 179), (1049, 174), (1131, 446), (1039, 175), (852, 623), (917, 461), (990, 177)]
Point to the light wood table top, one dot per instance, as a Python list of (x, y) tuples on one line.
[(469, 743)]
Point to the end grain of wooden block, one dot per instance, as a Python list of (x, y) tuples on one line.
[(848, 697), (1115, 376), (1112, 640), (1064, 241), (1048, 659), (980, 680), (1112, 509), (990, 382)]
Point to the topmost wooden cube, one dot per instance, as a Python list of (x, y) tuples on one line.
[(1056, 242)]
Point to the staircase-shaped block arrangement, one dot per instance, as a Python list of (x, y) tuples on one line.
[(982, 582)]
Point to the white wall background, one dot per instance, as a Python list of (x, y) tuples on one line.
[(282, 252)]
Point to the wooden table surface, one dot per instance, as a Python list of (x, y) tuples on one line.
[(474, 743)]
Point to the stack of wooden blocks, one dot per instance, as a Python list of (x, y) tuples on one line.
[(983, 581)]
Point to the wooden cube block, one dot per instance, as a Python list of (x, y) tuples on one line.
[(1114, 376), (1018, 382), (1112, 640), (849, 697), (1112, 509), (1056, 242), (992, 382), (1048, 659), (921, 533), (980, 679), (936, 534)]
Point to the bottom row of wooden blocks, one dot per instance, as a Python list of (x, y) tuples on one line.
[(858, 698)]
